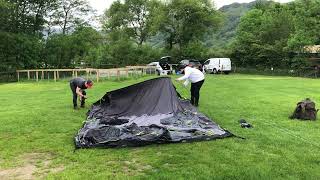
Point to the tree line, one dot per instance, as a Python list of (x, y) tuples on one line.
[(62, 33), (275, 35)]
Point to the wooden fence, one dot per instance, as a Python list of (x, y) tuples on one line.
[(98, 73)]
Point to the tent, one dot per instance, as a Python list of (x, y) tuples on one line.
[(150, 112)]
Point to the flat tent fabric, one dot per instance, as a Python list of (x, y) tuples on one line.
[(150, 112)]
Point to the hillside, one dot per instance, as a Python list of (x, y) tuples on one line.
[(232, 14)]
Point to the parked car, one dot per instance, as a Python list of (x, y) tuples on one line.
[(193, 62), (216, 65), (162, 66)]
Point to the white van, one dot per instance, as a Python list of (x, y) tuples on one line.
[(215, 65)]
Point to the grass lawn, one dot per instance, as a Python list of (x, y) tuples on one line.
[(38, 123)]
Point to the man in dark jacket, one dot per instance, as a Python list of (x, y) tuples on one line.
[(78, 85)]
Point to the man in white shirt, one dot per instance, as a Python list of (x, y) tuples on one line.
[(197, 78)]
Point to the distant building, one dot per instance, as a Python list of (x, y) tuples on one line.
[(312, 53), (315, 49)]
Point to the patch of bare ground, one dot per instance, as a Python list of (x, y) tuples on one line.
[(34, 166), (134, 167)]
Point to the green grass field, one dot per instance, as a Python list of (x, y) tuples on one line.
[(38, 123)]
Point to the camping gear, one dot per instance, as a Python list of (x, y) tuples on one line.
[(305, 110), (149, 112), (244, 124)]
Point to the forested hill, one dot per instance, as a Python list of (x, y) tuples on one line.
[(232, 14)]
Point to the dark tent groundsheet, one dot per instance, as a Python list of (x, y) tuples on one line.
[(150, 112)]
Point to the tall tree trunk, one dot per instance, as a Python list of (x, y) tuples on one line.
[(23, 19), (37, 17), (64, 26), (65, 21)]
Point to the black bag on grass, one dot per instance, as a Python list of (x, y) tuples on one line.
[(305, 110)]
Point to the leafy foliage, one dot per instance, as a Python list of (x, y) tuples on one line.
[(77, 47), (306, 24), (133, 17), (231, 18), (183, 21), (58, 33), (269, 34), (19, 51), (70, 14), (23, 43)]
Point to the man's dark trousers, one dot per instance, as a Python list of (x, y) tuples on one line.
[(195, 95)]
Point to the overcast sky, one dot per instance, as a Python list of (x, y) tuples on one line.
[(101, 5)]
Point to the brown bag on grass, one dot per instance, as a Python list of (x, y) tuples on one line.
[(305, 110)]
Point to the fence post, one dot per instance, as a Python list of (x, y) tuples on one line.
[(58, 76), (37, 76), (76, 73), (118, 74), (135, 72), (42, 75), (28, 75), (97, 73), (54, 76), (18, 75)]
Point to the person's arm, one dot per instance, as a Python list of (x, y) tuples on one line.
[(187, 73), (79, 92)]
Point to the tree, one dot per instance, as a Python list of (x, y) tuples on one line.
[(271, 34), (183, 21), (21, 32), (19, 51), (306, 24), (65, 50), (58, 51), (134, 17), (72, 13), (119, 49), (86, 42), (262, 36), (24, 16)]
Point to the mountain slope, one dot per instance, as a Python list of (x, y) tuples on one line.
[(226, 33)]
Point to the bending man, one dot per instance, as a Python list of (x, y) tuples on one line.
[(197, 78), (78, 85)]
